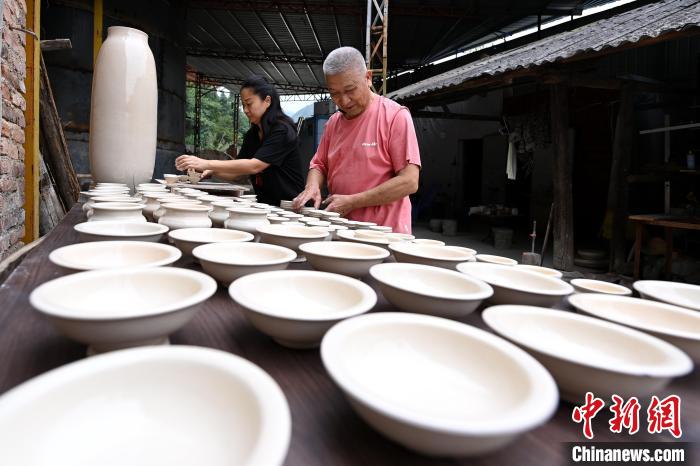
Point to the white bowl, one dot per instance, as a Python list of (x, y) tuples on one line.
[(437, 386), (297, 307), (490, 259), (117, 231), (120, 308), (517, 286), (152, 406), (345, 258), (373, 238), (186, 239), (429, 254), (542, 270), (114, 254), (430, 290), (585, 354), (680, 294), (229, 261), (290, 236), (584, 285), (677, 325), (434, 242)]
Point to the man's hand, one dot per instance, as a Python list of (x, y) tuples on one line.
[(310, 193), (185, 162), (341, 203)]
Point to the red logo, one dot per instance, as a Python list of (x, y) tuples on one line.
[(625, 415), (665, 415), (587, 412)]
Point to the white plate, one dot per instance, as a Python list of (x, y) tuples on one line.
[(517, 286), (677, 325), (297, 307), (437, 386), (176, 406), (680, 294), (585, 354), (114, 254)]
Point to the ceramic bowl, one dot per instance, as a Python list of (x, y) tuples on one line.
[(374, 238), (229, 261), (430, 290), (126, 212), (584, 285), (114, 254), (345, 258), (517, 286), (437, 386), (585, 354), (680, 294), (186, 239), (171, 178), (290, 236), (677, 325), (542, 270), (433, 242), (297, 307), (120, 308), (428, 254), (118, 231), (153, 406), (490, 259)]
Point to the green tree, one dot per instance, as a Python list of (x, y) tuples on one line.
[(216, 119)]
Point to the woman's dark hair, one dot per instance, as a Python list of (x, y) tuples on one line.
[(274, 113)]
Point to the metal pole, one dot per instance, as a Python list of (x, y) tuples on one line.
[(236, 116), (197, 113)]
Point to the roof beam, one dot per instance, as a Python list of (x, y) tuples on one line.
[(296, 44), (301, 7), (229, 54), (213, 80)]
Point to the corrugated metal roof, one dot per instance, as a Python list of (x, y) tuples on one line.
[(648, 21), (286, 40)]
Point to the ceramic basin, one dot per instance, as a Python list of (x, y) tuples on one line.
[(584, 285), (117, 231), (680, 294), (114, 254), (345, 258), (429, 254), (228, 261), (186, 239)]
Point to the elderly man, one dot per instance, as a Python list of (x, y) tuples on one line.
[(368, 154)]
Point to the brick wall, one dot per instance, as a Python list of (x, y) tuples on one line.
[(11, 146)]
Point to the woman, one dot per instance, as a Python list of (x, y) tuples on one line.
[(269, 154)]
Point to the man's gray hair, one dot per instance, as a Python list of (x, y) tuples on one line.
[(344, 59)]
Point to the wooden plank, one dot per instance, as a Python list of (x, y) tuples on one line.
[(55, 44), (96, 30), (618, 188), (31, 118), (562, 167), (55, 152)]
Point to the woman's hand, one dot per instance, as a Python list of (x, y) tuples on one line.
[(186, 162), (207, 174)]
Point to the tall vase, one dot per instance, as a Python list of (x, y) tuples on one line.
[(124, 113)]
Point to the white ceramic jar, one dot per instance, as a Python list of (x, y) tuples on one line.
[(170, 200), (246, 219), (152, 203), (124, 113), (178, 216), (219, 214), (124, 212)]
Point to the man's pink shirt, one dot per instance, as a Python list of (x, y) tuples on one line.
[(359, 154)]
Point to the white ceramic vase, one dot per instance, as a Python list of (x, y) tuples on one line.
[(178, 216), (123, 212), (124, 113), (219, 214), (246, 219)]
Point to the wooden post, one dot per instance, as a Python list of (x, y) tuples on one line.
[(563, 257), (96, 30), (618, 192), (31, 129), (55, 152)]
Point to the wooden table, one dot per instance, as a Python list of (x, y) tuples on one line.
[(325, 430), (668, 223)]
